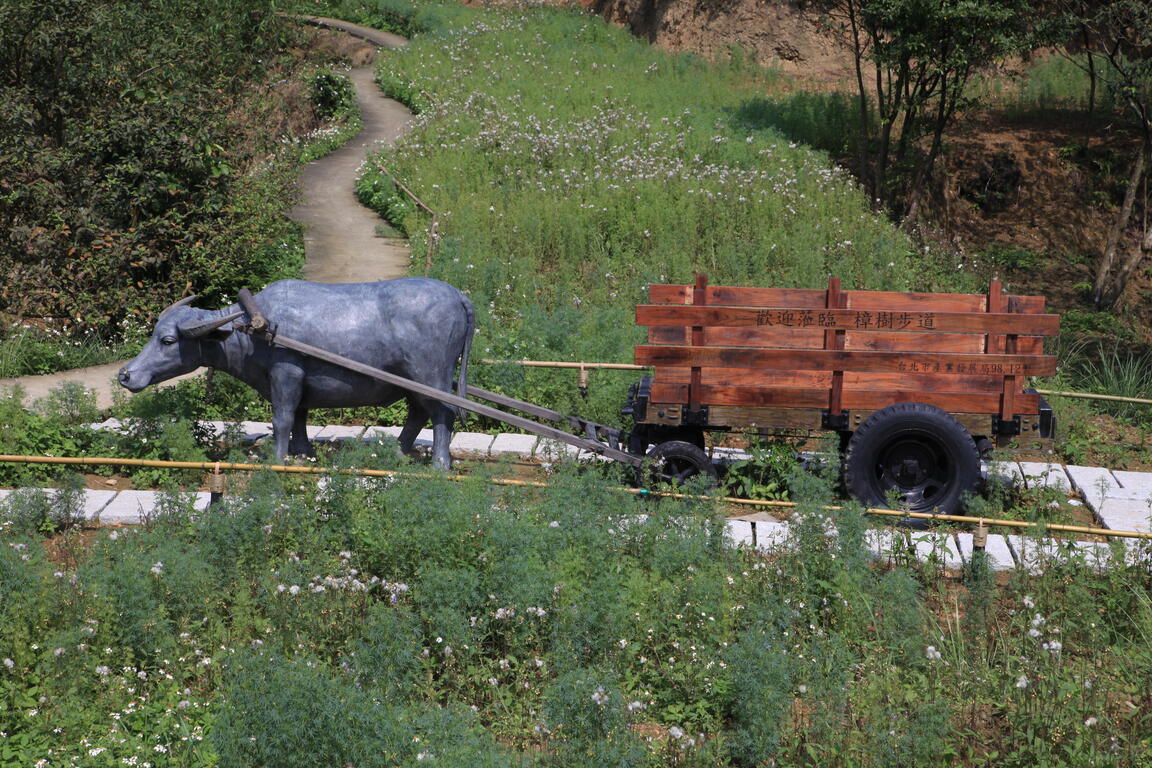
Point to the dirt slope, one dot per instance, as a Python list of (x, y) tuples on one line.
[(769, 31)]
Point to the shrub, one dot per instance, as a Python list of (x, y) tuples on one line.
[(297, 713), (332, 94)]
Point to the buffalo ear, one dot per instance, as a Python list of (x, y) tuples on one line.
[(196, 330)]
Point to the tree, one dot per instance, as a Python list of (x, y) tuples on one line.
[(1118, 34), (913, 60)]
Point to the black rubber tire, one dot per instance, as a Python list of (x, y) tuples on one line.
[(674, 462), (916, 449), (644, 436)]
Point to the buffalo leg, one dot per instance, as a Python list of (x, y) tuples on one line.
[(287, 389), (299, 445), (417, 418), (442, 417)]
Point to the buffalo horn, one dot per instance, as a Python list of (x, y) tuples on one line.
[(182, 303), (196, 330)]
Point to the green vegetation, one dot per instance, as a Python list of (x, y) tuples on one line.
[(568, 171), (422, 621), (396, 622), (133, 173)]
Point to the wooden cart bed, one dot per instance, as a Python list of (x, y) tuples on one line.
[(744, 357)]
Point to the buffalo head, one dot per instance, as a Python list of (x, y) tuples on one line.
[(175, 346)]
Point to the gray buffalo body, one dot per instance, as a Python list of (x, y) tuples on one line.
[(413, 327)]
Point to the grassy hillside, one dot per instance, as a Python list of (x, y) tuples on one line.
[(569, 165)]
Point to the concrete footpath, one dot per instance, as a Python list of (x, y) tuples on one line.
[(1118, 500)]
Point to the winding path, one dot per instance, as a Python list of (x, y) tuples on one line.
[(340, 240)]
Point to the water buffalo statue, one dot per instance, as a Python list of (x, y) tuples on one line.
[(413, 327)]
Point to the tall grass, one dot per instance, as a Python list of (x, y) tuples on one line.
[(1052, 81), (572, 165), (1121, 373)]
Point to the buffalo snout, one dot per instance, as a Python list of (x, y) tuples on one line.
[(130, 382)]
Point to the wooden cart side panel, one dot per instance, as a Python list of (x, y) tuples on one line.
[(744, 377), (851, 399), (784, 338), (816, 298), (832, 360), (755, 353), (786, 319)]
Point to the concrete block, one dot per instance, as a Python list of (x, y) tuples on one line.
[(1009, 470), (377, 433), (336, 432), (1039, 554), (424, 439), (554, 450), (1137, 486), (471, 442), (728, 455), (1094, 482), (95, 501), (522, 445), (764, 534), (251, 431), (1000, 554), (1037, 475), (218, 427), (128, 507), (1123, 514)]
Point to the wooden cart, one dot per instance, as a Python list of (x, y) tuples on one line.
[(917, 385)]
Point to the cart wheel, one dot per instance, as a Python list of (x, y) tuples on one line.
[(675, 461), (916, 450)]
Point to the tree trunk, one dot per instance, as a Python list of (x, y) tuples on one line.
[(1134, 258), (1107, 261), (865, 128), (1089, 123), (945, 109)]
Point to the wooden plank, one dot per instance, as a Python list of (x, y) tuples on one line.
[(782, 397), (663, 392), (834, 339), (921, 382), (971, 343), (751, 377), (940, 302), (781, 297), (699, 298), (767, 418), (858, 299), (779, 338), (923, 321), (830, 360)]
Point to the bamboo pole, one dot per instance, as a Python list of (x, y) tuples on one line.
[(1088, 396), (567, 364), (217, 466)]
